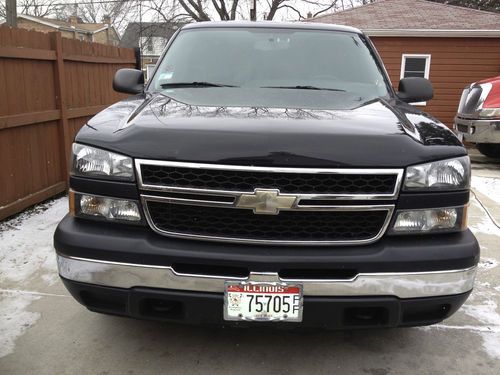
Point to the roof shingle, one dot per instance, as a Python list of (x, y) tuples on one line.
[(412, 14)]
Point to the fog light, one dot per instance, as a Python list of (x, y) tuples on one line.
[(450, 219), (107, 208)]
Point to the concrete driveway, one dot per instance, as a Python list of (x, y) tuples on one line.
[(44, 331)]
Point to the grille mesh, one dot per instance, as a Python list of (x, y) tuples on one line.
[(303, 183), (286, 226)]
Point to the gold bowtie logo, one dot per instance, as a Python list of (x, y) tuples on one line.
[(266, 201)]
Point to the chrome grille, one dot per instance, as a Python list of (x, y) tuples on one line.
[(302, 183), (267, 204), (288, 226)]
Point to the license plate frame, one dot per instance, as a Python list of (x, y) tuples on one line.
[(237, 294)]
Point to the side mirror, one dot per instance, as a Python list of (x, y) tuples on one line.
[(129, 81), (415, 89)]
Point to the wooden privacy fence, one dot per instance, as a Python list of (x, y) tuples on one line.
[(49, 87)]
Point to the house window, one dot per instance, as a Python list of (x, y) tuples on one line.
[(149, 71), (415, 66), (152, 46)]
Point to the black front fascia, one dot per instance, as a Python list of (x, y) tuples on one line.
[(128, 244)]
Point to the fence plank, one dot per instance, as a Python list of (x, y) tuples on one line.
[(26, 53), (31, 199), (85, 111), (12, 121), (61, 101), (51, 86), (98, 60)]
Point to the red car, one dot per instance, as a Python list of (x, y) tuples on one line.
[(478, 117)]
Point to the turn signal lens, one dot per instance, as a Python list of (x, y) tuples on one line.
[(433, 220), (108, 208)]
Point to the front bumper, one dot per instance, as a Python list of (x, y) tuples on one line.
[(397, 284), (397, 281), (478, 131)]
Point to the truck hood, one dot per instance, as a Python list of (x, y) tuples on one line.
[(304, 128)]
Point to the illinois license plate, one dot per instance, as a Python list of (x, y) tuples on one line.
[(263, 301)]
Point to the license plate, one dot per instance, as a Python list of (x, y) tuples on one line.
[(263, 301)]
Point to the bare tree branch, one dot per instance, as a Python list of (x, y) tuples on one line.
[(293, 9), (37, 8), (333, 5), (206, 10), (94, 11), (233, 9)]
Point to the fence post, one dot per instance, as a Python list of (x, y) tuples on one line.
[(60, 88)]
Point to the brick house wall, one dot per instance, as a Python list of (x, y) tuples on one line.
[(108, 36)]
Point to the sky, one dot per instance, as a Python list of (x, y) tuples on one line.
[(304, 6)]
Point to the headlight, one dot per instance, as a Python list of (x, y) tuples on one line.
[(94, 162), (450, 219), (451, 174), (86, 205)]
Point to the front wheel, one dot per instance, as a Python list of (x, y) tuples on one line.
[(491, 150)]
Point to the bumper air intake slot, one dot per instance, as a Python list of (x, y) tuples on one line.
[(318, 274), (366, 316), (210, 270)]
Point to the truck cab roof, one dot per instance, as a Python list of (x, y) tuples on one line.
[(272, 24)]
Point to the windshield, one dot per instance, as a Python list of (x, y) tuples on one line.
[(266, 58)]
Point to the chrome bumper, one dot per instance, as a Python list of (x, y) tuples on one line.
[(402, 285), (478, 131)]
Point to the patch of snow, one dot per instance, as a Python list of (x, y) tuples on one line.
[(485, 311), (14, 319), (483, 284), (488, 263), (460, 328), (26, 252), (491, 343), (487, 186), (26, 240), (485, 225)]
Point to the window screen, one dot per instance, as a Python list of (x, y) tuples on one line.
[(415, 66), (149, 71)]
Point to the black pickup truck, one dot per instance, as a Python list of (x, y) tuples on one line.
[(269, 175)]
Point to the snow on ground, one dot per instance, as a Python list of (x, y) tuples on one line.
[(26, 253), (487, 186), (482, 224), (487, 263), (26, 244), (482, 307), (15, 319)]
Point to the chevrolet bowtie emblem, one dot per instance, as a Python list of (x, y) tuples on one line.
[(265, 201)]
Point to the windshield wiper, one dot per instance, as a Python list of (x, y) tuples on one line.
[(193, 84), (301, 88)]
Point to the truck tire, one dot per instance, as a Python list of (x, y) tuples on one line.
[(491, 150)]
